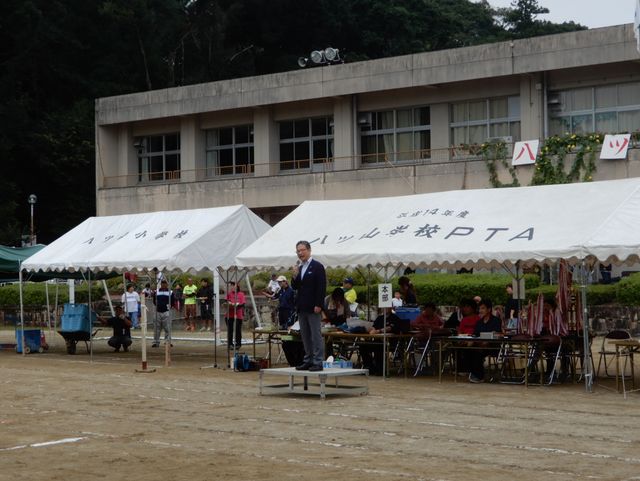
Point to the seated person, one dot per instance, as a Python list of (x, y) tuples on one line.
[(427, 319), (487, 323), (336, 308), (350, 294), (121, 330), (396, 301), (469, 317), (454, 320), (272, 288), (372, 352)]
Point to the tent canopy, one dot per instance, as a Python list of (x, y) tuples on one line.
[(10, 259), (185, 240), (486, 228)]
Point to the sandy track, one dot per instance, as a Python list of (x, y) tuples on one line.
[(103, 421)]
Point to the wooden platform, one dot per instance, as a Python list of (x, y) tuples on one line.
[(320, 379)]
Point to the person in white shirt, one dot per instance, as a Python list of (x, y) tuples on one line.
[(396, 301), (272, 288), (130, 302)]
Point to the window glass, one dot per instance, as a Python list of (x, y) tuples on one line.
[(242, 134), (478, 110), (286, 156), (404, 118), (212, 163), (212, 138), (514, 131), (421, 116), (629, 121), (606, 122), (320, 149), (301, 128), (477, 134), (582, 99), (226, 136), (385, 120), (581, 124), (286, 130), (318, 127), (156, 167), (422, 140), (301, 151), (606, 96), (514, 107), (559, 125), (629, 94), (405, 146), (172, 142), (499, 129), (242, 160), (498, 108), (458, 112), (459, 135), (172, 162), (155, 144)]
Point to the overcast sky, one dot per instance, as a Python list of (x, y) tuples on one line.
[(592, 13)]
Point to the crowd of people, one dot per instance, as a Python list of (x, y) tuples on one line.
[(304, 300)]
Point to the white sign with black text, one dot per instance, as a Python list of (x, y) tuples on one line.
[(385, 294)]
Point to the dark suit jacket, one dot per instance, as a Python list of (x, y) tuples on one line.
[(312, 288)]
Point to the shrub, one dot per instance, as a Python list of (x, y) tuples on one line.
[(628, 290), (34, 294)]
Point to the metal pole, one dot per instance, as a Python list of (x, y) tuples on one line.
[(21, 308), (586, 366), (90, 318), (253, 301), (46, 290), (31, 239), (106, 291)]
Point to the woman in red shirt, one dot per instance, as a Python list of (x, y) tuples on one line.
[(235, 315)]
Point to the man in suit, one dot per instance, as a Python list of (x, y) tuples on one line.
[(310, 282)]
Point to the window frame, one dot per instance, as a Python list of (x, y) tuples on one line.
[(311, 162), (233, 147), (395, 131), (144, 155)]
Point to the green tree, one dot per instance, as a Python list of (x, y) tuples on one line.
[(520, 20)]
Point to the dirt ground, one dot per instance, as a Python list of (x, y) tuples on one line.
[(64, 417)]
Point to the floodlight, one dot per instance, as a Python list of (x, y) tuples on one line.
[(302, 62), (331, 54), (317, 56)]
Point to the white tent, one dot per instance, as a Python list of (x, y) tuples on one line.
[(182, 240), (488, 227)]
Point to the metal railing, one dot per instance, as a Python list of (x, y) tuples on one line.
[(301, 166)]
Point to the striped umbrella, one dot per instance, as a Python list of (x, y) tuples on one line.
[(538, 316)]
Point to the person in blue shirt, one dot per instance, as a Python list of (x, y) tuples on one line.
[(286, 302)]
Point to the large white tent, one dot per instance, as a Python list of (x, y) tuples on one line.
[(181, 240), (506, 227), (488, 227)]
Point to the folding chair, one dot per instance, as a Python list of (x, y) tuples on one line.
[(608, 350)]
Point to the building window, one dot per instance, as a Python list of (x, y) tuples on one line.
[(395, 135), (476, 121), (305, 143), (230, 151), (605, 109), (158, 157)]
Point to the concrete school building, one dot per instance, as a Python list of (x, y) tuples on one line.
[(383, 127)]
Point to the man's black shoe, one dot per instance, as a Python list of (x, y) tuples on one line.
[(315, 368), (303, 367)]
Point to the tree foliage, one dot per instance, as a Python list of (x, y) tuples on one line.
[(57, 56)]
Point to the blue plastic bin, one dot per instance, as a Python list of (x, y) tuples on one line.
[(32, 340), (75, 318), (407, 313)]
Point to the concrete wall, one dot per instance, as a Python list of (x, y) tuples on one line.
[(293, 189)]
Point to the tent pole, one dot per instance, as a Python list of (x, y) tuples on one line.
[(90, 317), (46, 291), (586, 362), (384, 340), (24, 344), (106, 291), (253, 301), (55, 312)]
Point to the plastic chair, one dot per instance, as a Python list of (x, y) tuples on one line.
[(608, 350)]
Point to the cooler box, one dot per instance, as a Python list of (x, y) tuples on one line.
[(32, 340), (407, 313)]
